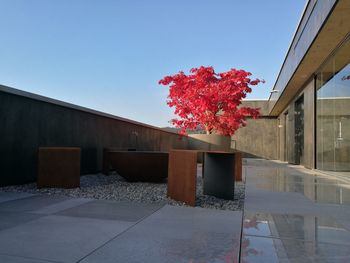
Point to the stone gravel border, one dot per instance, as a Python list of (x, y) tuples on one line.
[(114, 187)]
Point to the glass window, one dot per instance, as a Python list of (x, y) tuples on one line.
[(333, 112)]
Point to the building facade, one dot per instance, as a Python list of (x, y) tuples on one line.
[(311, 97)]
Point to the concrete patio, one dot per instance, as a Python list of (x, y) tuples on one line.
[(40, 228), (290, 215)]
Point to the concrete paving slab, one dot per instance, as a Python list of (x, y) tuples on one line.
[(279, 202), (12, 219), (345, 222), (340, 212), (15, 259), (262, 249), (59, 238), (332, 193), (8, 196), (30, 203), (111, 210), (177, 234), (292, 215), (304, 227), (61, 206)]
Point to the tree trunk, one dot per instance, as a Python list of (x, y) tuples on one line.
[(207, 131)]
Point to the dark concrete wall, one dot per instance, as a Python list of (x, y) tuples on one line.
[(30, 121), (309, 125), (282, 140), (263, 106), (260, 136), (290, 134), (287, 133)]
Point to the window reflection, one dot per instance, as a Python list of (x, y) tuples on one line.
[(316, 188), (293, 235), (333, 112)]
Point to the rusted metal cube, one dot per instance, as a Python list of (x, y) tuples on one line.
[(220, 172), (59, 167), (238, 166), (182, 176)]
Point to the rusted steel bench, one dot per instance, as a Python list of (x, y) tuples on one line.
[(220, 171), (58, 167), (137, 166)]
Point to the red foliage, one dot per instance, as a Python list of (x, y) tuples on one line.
[(210, 101)]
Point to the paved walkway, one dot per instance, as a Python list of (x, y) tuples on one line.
[(293, 215), (38, 228), (290, 215)]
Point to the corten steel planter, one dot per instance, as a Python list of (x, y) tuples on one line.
[(59, 167), (218, 172), (137, 166), (182, 176), (238, 167), (106, 166)]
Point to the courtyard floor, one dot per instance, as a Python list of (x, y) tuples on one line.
[(290, 215)]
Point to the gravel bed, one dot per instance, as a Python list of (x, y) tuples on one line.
[(114, 187)]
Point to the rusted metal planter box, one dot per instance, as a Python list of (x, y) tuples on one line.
[(137, 166), (220, 171), (59, 167)]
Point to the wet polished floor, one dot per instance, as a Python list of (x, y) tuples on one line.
[(294, 215)]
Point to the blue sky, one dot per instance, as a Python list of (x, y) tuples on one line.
[(109, 55)]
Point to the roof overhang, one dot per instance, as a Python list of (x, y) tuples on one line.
[(335, 28)]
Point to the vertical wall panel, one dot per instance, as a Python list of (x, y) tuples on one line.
[(282, 137), (309, 125), (290, 133), (260, 136)]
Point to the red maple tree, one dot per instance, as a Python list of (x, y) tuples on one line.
[(210, 101)]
